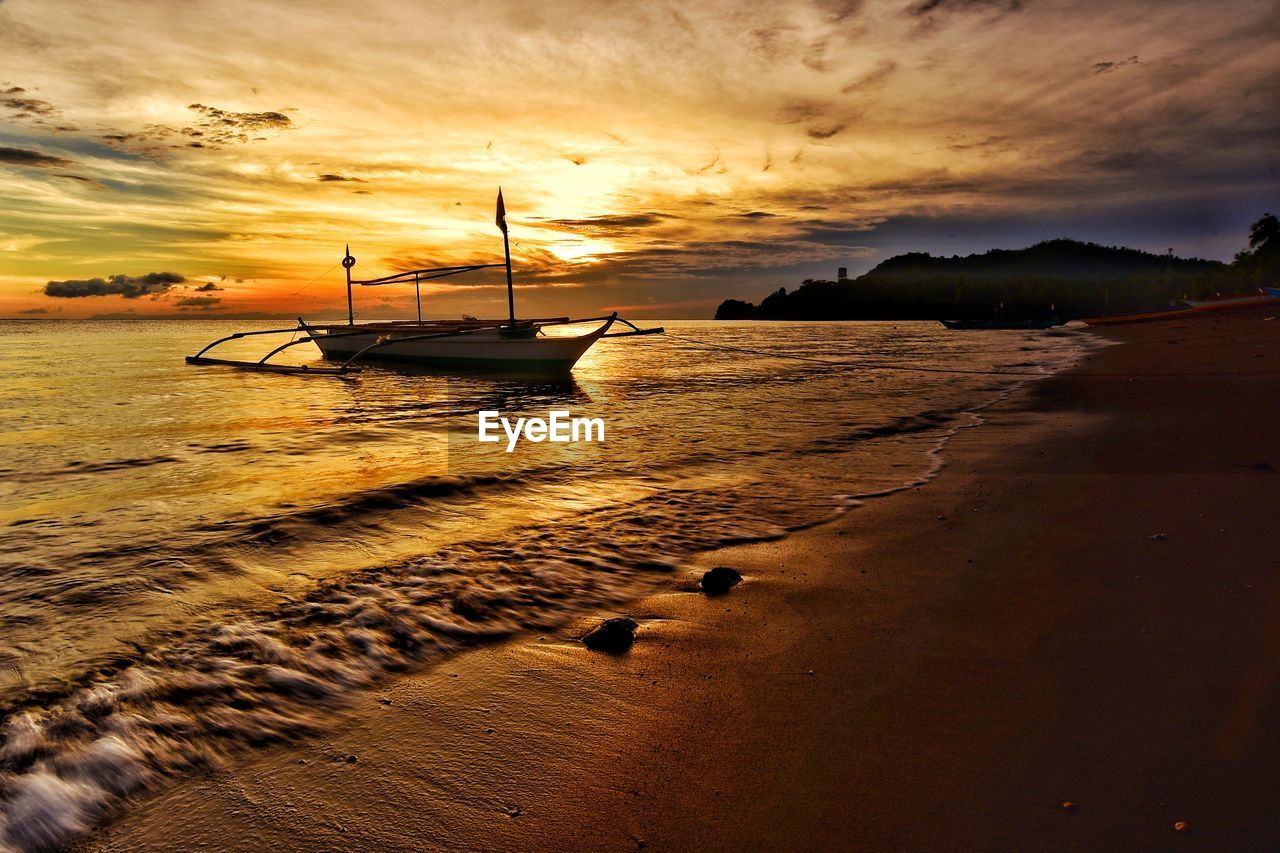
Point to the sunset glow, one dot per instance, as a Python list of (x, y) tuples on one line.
[(655, 156)]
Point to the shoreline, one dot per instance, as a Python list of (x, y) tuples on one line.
[(869, 686)]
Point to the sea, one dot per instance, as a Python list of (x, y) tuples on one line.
[(197, 562)]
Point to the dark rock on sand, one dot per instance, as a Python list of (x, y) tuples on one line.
[(612, 635), (720, 580)]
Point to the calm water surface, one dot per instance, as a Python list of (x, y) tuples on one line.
[(193, 560)]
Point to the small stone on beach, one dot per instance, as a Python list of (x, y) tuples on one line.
[(1181, 826), (1069, 806), (720, 580), (351, 759), (1159, 537), (612, 635)]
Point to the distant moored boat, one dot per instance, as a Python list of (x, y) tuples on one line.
[(1043, 323), (1234, 300)]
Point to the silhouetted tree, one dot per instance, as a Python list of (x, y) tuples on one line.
[(1264, 230)]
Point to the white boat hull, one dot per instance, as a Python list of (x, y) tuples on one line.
[(484, 349)]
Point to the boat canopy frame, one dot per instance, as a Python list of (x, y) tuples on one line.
[(415, 276)]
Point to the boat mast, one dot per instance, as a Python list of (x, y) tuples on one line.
[(501, 222), (347, 263), (511, 294)]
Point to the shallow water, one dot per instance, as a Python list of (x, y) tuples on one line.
[(198, 560)]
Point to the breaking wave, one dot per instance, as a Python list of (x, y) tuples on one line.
[(195, 697)]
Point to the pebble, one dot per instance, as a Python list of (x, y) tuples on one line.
[(612, 635), (719, 580)]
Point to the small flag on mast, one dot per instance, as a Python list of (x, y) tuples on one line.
[(501, 219)]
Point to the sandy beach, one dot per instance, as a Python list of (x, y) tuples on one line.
[(1081, 608)]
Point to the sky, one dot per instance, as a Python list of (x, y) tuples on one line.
[(213, 159)]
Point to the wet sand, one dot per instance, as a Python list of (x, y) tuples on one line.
[(942, 668)]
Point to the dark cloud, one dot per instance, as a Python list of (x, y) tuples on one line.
[(773, 41), (1108, 67), (757, 214), (28, 107), (334, 178), (601, 225), (701, 170), (930, 13), (802, 109), (25, 157), (208, 287), (670, 259), (23, 107), (929, 7), (82, 179), (217, 127), (815, 58), (991, 142), (35, 311), (141, 140), (825, 131), (880, 73), (128, 286), (198, 301), (1127, 160), (839, 11)]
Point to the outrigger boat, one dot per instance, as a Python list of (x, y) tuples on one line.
[(1148, 315), (1264, 296), (1233, 300), (509, 345)]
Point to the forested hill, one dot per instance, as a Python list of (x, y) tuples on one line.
[(1059, 277)]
